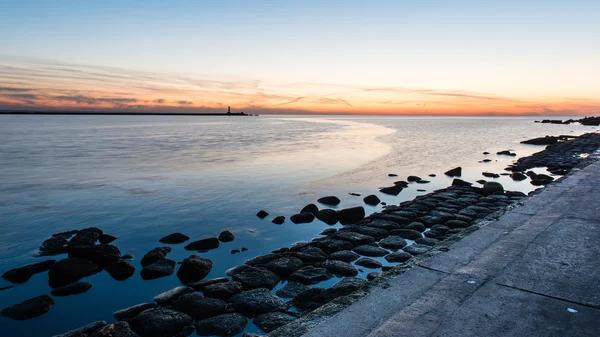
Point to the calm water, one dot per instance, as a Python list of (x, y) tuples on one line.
[(142, 177)]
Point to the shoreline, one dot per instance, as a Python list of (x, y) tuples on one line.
[(334, 241)]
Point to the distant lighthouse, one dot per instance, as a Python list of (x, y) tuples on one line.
[(228, 109)]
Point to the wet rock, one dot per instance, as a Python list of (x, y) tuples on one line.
[(367, 250), (416, 249), (310, 208), (457, 224), (328, 231), (490, 175), (193, 269), (506, 153), (262, 214), (262, 259), (423, 181), (161, 322), (513, 194), (155, 255), (399, 256), (344, 255), (72, 289), (291, 289), (409, 234), (328, 216), (355, 194), (106, 239), (401, 183), (373, 275), (340, 268), (349, 285), (517, 176), (255, 302), (314, 298), (455, 172), (486, 160), (6, 287), (199, 286), (85, 237), (393, 242), (22, 274), (427, 241), (174, 238), (272, 320), (332, 244), (30, 308), (304, 217), (221, 325), (310, 275), (392, 175), (351, 215), (374, 232), (226, 236), (118, 329), (284, 266), (120, 270), (160, 268), (372, 200), (127, 257), (86, 331), (460, 182), (70, 270), (311, 255), (133, 311), (329, 200), (253, 277), (103, 255), (354, 238), (170, 296), (391, 190), (198, 306), (278, 220), (492, 187), (368, 263), (419, 227), (236, 270), (204, 244), (223, 290), (383, 224), (413, 179)]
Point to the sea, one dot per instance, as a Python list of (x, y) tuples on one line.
[(140, 178)]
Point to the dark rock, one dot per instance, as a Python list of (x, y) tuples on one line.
[(481, 181), (490, 175), (199, 307), (328, 216), (226, 236), (85, 237), (548, 140), (384, 224), (416, 249), (460, 182), (399, 256), (491, 187), (118, 329), (373, 275), (355, 194), (22, 274), (155, 255), (174, 238), (392, 175), (70, 270), (106, 239), (393, 242), (253, 277), (194, 268), (223, 290), (423, 181), (344, 255), (127, 257), (120, 270), (391, 190), (354, 238), (30, 308), (310, 275), (314, 298), (413, 179), (72, 289), (507, 153), (329, 200), (200, 285), (262, 259), (401, 183), (57, 244), (6, 287), (234, 251), (160, 322), (204, 244), (85, 331), (328, 231), (291, 289), (372, 200), (419, 227), (284, 266), (103, 255), (278, 220), (255, 302), (409, 234), (368, 263), (351, 215), (272, 320), (222, 325), (262, 214), (367, 250), (169, 296), (236, 270), (512, 194), (311, 255), (310, 208), (457, 224), (455, 172), (133, 311), (160, 268), (349, 285), (374, 232), (340, 268), (304, 217), (518, 176), (427, 241), (486, 160)]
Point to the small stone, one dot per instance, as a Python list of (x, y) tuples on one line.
[(194, 268), (328, 216), (262, 214), (391, 190), (278, 220), (310, 208), (155, 255), (120, 270), (455, 172), (304, 217), (226, 236), (372, 200), (174, 238)]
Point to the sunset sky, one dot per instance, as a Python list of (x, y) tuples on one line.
[(391, 57)]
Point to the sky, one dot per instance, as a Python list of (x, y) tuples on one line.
[(379, 56)]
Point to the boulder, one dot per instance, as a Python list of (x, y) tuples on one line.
[(199, 286), (310, 275), (85, 237), (199, 307), (254, 277), (270, 321), (284, 266), (255, 302), (174, 238), (103, 255), (328, 216), (70, 270), (492, 187), (367, 250), (518, 176), (304, 217), (221, 325), (57, 244), (329, 200), (133, 311), (226, 236), (30, 308), (427, 241), (22, 274), (106, 239), (278, 220), (291, 289), (461, 183), (118, 329), (372, 200), (120, 270), (417, 249), (413, 179), (340, 268), (161, 322), (351, 215), (415, 225), (72, 289), (354, 238), (310, 208), (409, 234), (155, 255), (393, 242), (399, 256), (344, 255), (262, 259), (193, 269), (401, 183), (223, 290), (160, 268), (262, 214), (455, 172), (391, 190), (204, 244), (368, 263), (169, 296)]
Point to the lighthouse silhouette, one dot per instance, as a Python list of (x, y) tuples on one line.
[(228, 109)]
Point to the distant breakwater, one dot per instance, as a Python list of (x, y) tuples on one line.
[(109, 113)]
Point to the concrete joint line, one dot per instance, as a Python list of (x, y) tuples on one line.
[(587, 305)]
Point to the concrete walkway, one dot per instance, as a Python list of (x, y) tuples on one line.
[(534, 272)]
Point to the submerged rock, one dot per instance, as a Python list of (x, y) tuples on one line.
[(221, 325), (161, 322), (160, 268), (72, 289), (70, 270), (204, 244), (255, 302), (329, 200), (193, 269), (22, 274), (174, 238), (226, 236), (30, 308)]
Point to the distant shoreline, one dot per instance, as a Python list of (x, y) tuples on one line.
[(99, 113)]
